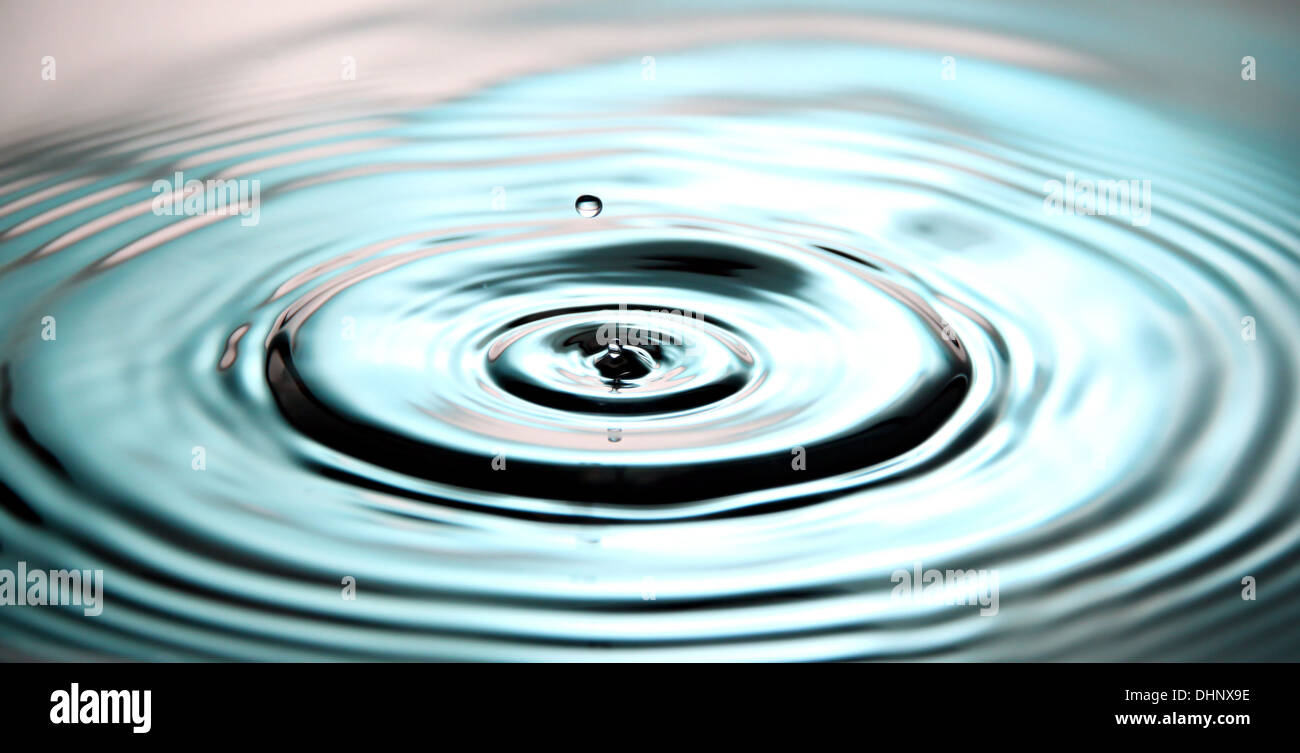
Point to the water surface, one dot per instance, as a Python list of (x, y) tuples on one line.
[(861, 339)]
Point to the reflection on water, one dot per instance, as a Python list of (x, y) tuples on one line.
[(861, 294)]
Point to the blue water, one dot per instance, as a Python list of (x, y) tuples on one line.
[(860, 339)]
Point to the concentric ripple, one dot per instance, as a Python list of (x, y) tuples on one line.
[(495, 351), (821, 329)]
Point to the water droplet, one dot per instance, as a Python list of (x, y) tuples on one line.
[(621, 362), (588, 206)]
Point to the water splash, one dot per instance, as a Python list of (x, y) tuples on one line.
[(862, 341)]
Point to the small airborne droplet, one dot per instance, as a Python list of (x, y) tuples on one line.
[(621, 362), (588, 206)]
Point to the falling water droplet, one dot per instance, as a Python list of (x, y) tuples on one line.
[(620, 362), (588, 206)]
